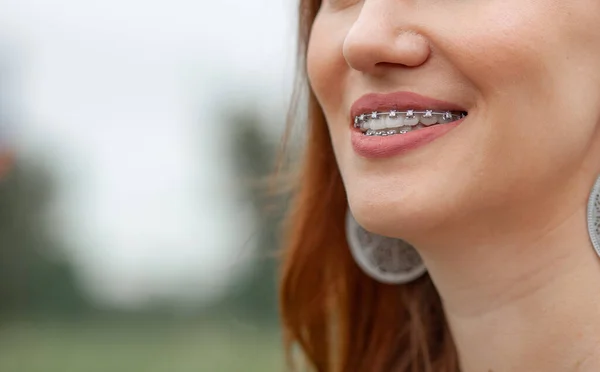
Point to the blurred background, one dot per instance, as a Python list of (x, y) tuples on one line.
[(133, 134)]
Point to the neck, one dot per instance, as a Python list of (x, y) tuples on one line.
[(523, 302)]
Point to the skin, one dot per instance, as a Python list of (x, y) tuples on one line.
[(497, 206)]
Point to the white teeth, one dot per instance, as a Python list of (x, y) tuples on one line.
[(394, 122), (428, 118), (411, 120), (446, 118), (429, 121), (377, 124)]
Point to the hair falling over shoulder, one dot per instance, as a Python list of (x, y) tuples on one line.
[(341, 319)]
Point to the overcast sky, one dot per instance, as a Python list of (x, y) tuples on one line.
[(115, 90)]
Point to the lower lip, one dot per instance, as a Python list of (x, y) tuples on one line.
[(387, 146)]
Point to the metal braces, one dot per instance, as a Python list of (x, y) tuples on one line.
[(408, 114)]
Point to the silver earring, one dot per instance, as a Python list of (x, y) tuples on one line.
[(387, 260), (593, 216)]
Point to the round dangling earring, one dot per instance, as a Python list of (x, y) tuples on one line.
[(593, 216), (387, 260)]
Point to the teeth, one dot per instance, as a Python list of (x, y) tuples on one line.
[(377, 124), (446, 118), (389, 132), (395, 122), (428, 118), (429, 121), (411, 120)]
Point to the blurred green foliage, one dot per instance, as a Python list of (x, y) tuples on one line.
[(35, 279), (253, 149), (48, 324), (124, 347)]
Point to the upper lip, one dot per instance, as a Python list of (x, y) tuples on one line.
[(400, 101)]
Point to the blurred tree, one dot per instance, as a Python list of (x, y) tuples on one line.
[(254, 299), (34, 279), (6, 160)]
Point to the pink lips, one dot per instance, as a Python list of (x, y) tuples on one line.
[(378, 146)]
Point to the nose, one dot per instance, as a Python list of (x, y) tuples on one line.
[(378, 38)]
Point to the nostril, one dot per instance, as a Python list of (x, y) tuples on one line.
[(385, 65)]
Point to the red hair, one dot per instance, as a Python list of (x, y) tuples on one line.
[(341, 319)]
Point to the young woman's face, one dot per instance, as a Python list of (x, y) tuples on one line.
[(526, 72)]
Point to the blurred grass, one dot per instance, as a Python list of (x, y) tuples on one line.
[(149, 347)]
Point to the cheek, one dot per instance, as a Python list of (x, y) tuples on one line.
[(327, 73), (537, 71), (510, 46), (326, 66), (499, 48)]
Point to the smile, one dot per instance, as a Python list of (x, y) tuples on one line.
[(393, 122), (389, 124)]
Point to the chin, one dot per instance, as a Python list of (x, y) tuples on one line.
[(407, 212)]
